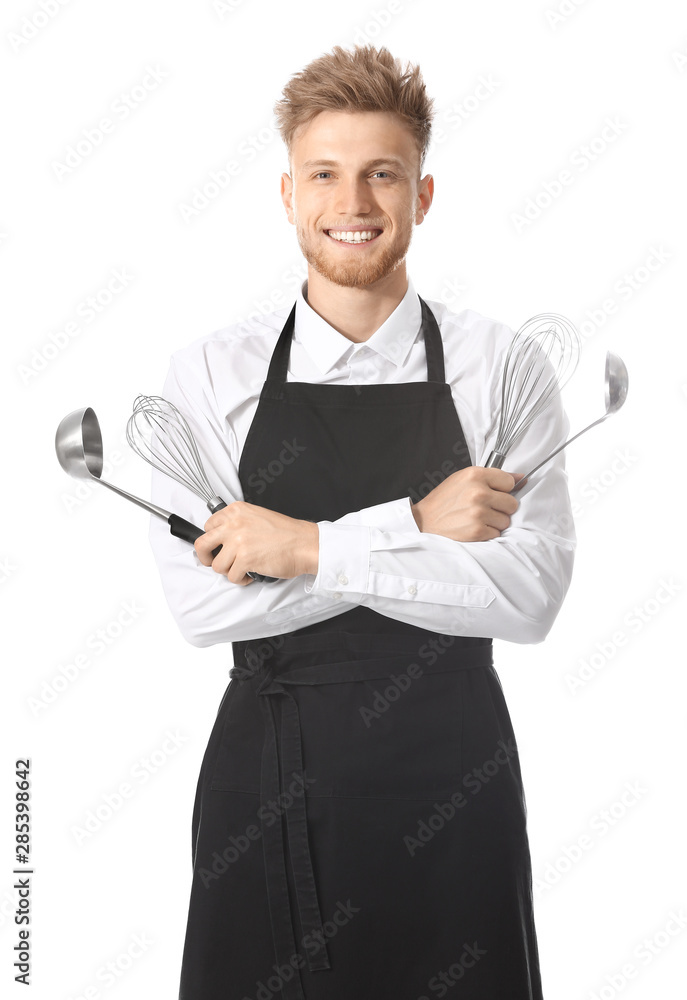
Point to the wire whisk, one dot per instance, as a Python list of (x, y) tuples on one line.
[(160, 434), (542, 356)]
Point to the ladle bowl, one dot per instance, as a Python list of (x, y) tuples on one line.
[(79, 449), (617, 381)]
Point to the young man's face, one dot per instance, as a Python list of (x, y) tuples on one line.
[(352, 169)]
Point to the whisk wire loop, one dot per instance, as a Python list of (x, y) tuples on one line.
[(160, 434), (540, 359)]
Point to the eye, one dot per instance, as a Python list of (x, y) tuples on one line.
[(326, 173)]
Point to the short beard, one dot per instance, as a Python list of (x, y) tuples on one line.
[(357, 273)]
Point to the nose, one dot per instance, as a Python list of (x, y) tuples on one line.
[(353, 198)]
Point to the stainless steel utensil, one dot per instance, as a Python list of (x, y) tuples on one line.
[(79, 448), (617, 382), (160, 434), (541, 358)]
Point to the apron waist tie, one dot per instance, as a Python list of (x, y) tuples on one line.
[(274, 778)]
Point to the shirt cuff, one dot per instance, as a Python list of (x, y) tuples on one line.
[(394, 515), (344, 560)]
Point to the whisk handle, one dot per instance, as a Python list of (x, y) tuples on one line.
[(181, 528), (495, 460)]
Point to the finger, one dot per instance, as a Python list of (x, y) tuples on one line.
[(496, 519), (206, 543), (504, 502), (481, 533), (237, 574), (497, 479)]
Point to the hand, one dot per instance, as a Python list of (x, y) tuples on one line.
[(471, 505), (260, 540)]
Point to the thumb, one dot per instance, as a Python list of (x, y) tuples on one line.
[(520, 480)]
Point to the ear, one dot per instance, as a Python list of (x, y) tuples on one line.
[(425, 193), (286, 188)]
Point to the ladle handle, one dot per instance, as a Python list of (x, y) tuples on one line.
[(189, 532), (521, 482)]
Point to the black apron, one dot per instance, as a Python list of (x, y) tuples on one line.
[(359, 826)]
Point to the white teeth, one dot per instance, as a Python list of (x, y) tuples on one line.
[(356, 237)]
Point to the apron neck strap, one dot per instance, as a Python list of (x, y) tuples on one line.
[(276, 374)]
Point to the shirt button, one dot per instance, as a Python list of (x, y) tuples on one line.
[(412, 589), (343, 579), (336, 594)]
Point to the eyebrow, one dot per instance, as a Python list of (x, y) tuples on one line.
[(379, 161)]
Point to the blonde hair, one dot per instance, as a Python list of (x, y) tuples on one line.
[(362, 79)]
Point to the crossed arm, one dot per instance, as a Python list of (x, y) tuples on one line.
[(468, 559)]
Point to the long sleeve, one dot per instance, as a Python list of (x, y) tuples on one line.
[(510, 587), (207, 607)]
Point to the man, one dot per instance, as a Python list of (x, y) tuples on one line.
[(359, 825)]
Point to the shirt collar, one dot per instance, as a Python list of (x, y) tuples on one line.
[(327, 347)]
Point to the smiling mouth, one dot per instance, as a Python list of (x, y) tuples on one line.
[(354, 237)]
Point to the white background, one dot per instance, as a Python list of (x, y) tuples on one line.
[(71, 558)]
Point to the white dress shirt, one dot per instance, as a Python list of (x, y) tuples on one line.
[(510, 587)]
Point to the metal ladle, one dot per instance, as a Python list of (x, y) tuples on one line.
[(79, 448), (617, 382)]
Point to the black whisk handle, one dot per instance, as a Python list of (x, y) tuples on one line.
[(189, 532), (184, 529)]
